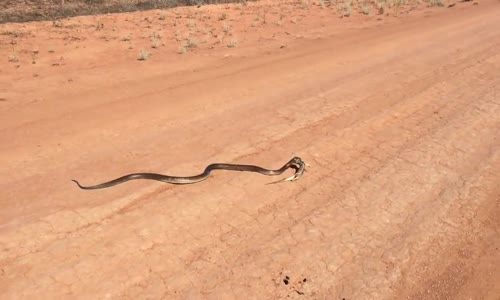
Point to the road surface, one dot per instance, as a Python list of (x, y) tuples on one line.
[(399, 120)]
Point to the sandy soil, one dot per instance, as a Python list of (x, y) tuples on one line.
[(399, 118)]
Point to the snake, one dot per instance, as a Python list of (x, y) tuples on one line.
[(295, 163)]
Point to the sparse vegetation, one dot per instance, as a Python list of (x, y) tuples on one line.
[(155, 34), (232, 43), (365, 9), (33, 10), (191, 43), (154, 38), (13, 33), (163, 16), (34, 54), (380, 7), (226, 27), (143, 54), (178, 36), (280, 21), (57, 24), (182, 49), (154, 43), (13, 58), (99, 25), (222, 17), (206, 38), (220, 40), (436, 3), (346, 8)]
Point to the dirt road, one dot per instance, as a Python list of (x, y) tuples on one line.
[(399, 119)]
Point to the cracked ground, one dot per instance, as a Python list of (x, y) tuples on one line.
[(399, 118)]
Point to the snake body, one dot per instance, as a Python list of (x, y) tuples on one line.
[(295, 163)]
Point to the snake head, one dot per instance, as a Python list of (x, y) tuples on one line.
[(298, 165), (300, 168)]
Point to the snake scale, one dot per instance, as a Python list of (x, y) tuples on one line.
[(295, 163)]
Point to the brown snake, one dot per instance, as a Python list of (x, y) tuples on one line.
[(295, 163)]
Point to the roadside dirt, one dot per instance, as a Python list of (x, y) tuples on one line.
[(399, 118)]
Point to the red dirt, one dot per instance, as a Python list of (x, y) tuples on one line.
[(398, 116)]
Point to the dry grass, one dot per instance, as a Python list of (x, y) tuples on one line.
[(41, 10), (13, 58), (380, 6), (154, 43), (189, 30), (222, 17), (143, 55), (346, 8), (191, 43), (37, 10), (436, 3), (163, 16), (182, 49), (155, 39), (232, 43)]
